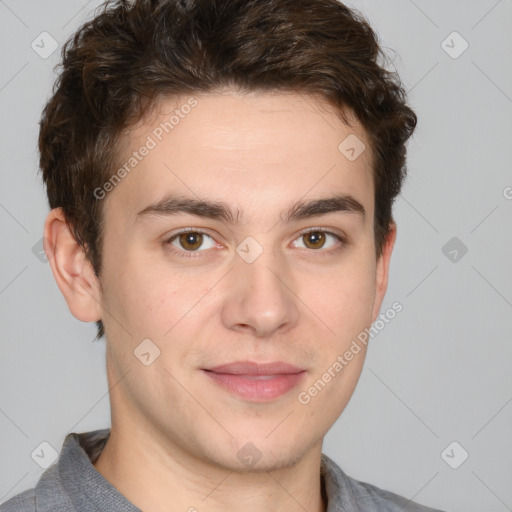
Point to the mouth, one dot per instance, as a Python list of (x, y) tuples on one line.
[(256, 382)]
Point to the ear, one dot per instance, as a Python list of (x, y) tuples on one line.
[(382, 271), (71, 269)]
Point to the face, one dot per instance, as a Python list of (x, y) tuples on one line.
[(243, 237)]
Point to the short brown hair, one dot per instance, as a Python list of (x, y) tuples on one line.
[(131, 54)]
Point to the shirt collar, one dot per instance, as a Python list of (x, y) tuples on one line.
[(75, 484), (81, 486)]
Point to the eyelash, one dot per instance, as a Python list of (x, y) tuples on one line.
[(194, 254)]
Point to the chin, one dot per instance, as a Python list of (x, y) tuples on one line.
[(260, 456)]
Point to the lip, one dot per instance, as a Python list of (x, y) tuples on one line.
[(256, 382)]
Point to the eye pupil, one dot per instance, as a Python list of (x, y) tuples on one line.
[(314, 239), (191, 241)]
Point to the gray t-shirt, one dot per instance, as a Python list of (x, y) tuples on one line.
[(73, 484)]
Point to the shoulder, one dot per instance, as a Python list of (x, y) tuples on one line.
[(68, 480), (350, 494), (23, 502), (47, 496), (375, 499)]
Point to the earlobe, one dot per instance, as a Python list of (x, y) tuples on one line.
[(71, 269), (382, 271)]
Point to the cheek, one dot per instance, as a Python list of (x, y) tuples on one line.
[(346, 309), (151, 300), (344, 298)]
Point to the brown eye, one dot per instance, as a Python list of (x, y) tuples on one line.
[(191, 241), (321, 240), (314, 239), (188, 241)]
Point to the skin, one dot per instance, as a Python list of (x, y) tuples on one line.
[(175, 432)]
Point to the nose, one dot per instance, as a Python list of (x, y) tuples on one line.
[(260, 300)]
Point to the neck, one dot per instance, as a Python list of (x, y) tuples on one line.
[(155, 476)]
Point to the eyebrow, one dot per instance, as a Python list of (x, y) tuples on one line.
[(174, 205)]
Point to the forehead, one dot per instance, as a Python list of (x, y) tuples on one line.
[(250, 149)]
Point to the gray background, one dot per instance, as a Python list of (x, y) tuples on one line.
[(438, 373)]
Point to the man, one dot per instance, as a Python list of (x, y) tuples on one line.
[(221, 176)]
